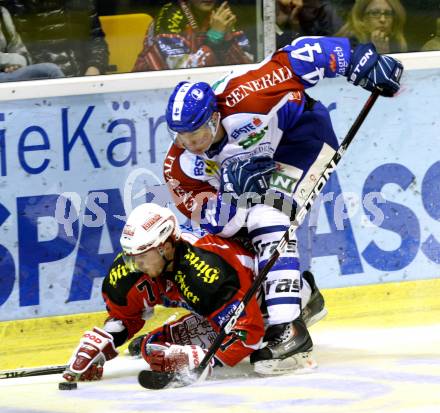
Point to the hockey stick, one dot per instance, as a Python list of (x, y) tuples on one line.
[(158, 380), (32, 371)]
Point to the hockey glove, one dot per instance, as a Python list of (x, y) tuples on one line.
[(248, 175), (175, 358), (371, 70), (188, 329), (86, 364)]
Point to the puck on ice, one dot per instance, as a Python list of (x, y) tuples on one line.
[(67, 385)]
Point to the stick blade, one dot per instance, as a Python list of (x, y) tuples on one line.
[(155, 380)]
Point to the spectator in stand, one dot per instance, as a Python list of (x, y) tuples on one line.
[(193, 33), (342, 7), (64, 32), (380, 22), (297, 18), (434, 42), (421, 24), (14, 57)]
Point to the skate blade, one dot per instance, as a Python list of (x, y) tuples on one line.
[(301, 363), (317, 317)]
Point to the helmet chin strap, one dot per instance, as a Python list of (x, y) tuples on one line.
[(213, 125)]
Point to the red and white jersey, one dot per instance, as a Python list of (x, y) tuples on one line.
[(256, 106), (210, 277)]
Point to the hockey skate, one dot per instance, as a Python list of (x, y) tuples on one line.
[(288, 350), (315, 309)]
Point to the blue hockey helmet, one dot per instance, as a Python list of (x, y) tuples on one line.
[(190, 106)]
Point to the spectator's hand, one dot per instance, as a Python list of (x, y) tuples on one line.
[(297, 5), (288, 10), (12, 68), (381, 40), (92, 71), (222, 19)]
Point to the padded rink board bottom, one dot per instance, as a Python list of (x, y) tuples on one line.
[(50, 341)]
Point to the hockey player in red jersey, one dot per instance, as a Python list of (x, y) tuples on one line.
[(207, 275), (258, 132), (162, 266)]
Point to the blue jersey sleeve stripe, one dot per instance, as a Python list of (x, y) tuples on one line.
[(282, 263), (267, 230)]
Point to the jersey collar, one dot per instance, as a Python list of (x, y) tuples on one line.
[(217, 147)]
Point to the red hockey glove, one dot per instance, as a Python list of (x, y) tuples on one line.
[(175, 358), (95, 348)]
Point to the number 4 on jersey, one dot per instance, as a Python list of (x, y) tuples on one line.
[(306, 54)]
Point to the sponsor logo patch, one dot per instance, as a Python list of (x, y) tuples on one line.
[(128, 230), (199, 166), (150, 222), (211, 167), (253, 138), (224, 315), (295, 96), (205, 271), (197, 94), (340, 60), (332, 63), (249, 127), (282, 182), (184, 288), (271, 79), (205, 167), (116, 274)]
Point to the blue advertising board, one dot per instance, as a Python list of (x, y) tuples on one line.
[(72, 168)]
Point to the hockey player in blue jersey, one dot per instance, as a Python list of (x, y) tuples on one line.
[(242, 136)]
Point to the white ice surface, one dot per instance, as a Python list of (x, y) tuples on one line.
[(360, 370)]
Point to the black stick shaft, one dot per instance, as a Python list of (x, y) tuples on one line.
[(32, 371), (299, 218)]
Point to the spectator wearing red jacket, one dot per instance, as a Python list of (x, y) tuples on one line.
[(193, 33)]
